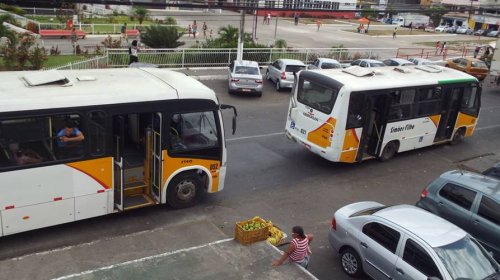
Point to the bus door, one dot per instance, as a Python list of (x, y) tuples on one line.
[(450, 107), (118, 145), (156, 156), (374, 126)]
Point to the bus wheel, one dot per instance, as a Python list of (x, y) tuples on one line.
[(184, 190), (458, 137), (389, 151)]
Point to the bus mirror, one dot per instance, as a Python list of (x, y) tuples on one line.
[(234, 124), (226, 106)]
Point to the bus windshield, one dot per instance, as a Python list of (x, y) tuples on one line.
[(316, 96)]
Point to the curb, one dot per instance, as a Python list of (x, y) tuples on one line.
[(209, 77)]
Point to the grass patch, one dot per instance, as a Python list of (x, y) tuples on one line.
[(53, 61), (389, 32)]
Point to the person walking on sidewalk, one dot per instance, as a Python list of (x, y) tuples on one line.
[(190, 30), (132, 50), (195, 28), (74, 39), (205, 28), (318, 23), (394, 33), (298, 251)]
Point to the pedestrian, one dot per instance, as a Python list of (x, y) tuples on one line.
[(190, 30), (394, 33), (318, 23), (264, 19), (296, 19), (205, 28), (298, 251), (123, 31), (74, 38), (268, 18), (195, 28), (438, 46), (444, 48), (476, 51), (132, 51), (211, 33)]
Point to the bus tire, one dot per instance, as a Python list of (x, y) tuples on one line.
[(389, 151), (458, 136), (184, 190)]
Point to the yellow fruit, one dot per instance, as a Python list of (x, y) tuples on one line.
[(272, 240)]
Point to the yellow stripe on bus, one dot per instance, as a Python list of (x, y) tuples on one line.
[(350, 147), (321, 136), (100, 169), (469, 122)]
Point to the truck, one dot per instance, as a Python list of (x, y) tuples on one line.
[(495, 64), (414, 19)]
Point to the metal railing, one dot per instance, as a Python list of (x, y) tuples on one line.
[(96, 28), (93, 63)]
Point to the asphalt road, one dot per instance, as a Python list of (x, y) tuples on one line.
[(277, 179)]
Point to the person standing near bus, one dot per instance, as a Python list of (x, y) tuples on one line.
[(132, 50), (298, 251)]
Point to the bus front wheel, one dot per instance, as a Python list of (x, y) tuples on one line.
[(389, 151), (184, 190)]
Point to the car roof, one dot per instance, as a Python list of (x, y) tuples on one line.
[(370, 60), (432, 229), (399, 60), (484, 184), (246, 63), (292, 61), (331, 60)]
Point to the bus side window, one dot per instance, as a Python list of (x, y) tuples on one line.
[(355, 114), (96, 133), (402, 104), (470, 102), (428, 101)]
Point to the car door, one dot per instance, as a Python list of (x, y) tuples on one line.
[(378, 245), (415, 262), (454, 203), (485, 224), (271, 70), (276, 71)]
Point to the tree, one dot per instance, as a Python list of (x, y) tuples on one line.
[(4, 31), (389, 10), (369, 13), (435, 13), (157, 36), (229, 35), (141, 13), (280, 44), (16, 56)]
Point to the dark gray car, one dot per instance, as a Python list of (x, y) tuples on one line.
[(470, 201)]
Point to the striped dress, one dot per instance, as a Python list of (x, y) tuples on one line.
[(300, 251)]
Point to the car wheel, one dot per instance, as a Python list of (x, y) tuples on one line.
[(278, 86), (351, 263), (389, 151), (184, 190), (458, 137)]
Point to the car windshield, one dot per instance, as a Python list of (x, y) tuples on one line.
[(465, 259), (246, 70), (478, 64), (377, 64), (294, 68), (329, 65)]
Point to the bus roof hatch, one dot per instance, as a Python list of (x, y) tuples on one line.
[(358, 71), (45, 78), (429, 68)]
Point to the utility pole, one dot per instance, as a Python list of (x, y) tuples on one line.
[(241, 39)]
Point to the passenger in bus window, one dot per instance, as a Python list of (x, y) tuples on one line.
[(27, 156), (69, 136)]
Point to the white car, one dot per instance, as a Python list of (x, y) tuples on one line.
[(422, 61), (244, 76), (397, 62), (442, 28), (463, 30), (282, 72), (325, 63), (405, 242), (367, 63)]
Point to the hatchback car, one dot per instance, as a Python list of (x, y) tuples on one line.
[(406, 242), (470, 201), (282, 72), (397, 62), (469, 65), (367, 63), (244, 76), (325, 63)]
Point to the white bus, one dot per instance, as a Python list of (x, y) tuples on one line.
[(352, 114), (80, 144)]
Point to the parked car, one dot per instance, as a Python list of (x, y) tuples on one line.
[(493, 33), (367, 63), (419, 26), (430, 28), (470, 201), (281, 72), (493, 171), (480, 32), (397, 62), (441, 28), (463, 30), (405, 242), (469, 65), (451, 29), (244, 76), (325, 63), (421, 61)]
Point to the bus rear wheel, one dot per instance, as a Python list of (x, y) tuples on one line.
[(389, 151), (184, 190)]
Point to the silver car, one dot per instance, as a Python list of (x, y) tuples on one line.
[(368, 63), (397, 62), (281, 72), (325, 63), (405, 242), (244, 76)]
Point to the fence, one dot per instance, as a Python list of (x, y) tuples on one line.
[(93, 63), (96, 28), (181, 58)]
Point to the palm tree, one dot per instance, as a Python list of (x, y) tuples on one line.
[(4, 31), (280, 44), (229, 35), (141, 13), (157, 36)]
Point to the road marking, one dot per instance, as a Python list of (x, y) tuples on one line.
[(488, 127), (144, 259), (254, 136)]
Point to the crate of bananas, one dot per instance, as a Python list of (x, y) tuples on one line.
[(276, 235)]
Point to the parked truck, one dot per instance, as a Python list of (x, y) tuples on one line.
[(413, 19)]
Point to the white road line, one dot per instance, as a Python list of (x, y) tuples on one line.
[(254, 136), (488, 127), (144, 259)]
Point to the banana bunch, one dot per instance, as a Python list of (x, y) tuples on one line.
[(275, 235)]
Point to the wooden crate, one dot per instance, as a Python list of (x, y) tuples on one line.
[(250, 236)]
